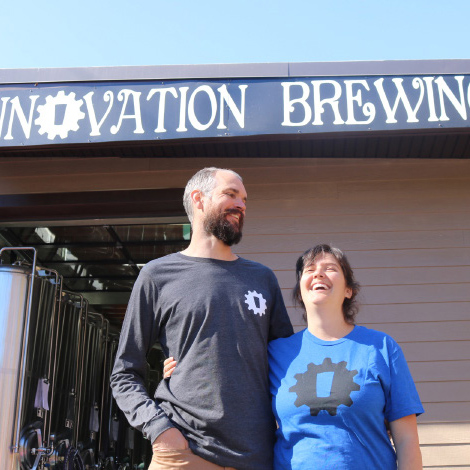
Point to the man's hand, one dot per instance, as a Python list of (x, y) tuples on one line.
[(168, 367), (171, 439)]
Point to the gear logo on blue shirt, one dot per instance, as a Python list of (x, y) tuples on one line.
[(325, 387)]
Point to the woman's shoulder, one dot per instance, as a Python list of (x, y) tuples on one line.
[(384, 346), (374, 336)]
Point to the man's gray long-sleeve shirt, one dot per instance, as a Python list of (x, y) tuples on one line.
[(215, 318)]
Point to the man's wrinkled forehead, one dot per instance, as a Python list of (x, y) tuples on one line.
[(227, 181)]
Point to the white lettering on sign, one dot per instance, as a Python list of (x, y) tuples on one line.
[(459, 105), (177, 108), (299, 103), (430, 92), (289, 103), (18, 110), (368, 109), (123, 95), (95, 125), (400, 98), (183, 105), (319, 102), (2, 113), (238, 114), (161, 105), (192, 113)]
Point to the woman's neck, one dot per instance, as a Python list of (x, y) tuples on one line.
[(326, 325)]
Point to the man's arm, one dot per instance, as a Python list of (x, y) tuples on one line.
[(139, 332)]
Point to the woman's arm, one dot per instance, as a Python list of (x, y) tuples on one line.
[(405, 437)]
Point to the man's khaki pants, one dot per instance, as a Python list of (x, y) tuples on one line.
[(177, 459)]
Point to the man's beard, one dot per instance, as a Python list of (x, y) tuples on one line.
[(227, 232)]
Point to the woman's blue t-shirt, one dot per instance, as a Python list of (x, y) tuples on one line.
[(330, 399)]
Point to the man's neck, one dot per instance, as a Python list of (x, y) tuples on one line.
[(208, 246)]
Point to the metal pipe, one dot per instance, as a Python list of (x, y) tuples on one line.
[(53, 360), (24, 352), (104, 384), (83, 302)]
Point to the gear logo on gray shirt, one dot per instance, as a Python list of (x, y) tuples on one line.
[(256, 302)]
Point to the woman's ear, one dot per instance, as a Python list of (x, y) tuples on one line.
[(348, 293)]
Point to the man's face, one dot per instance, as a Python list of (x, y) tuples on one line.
[(226, 209)]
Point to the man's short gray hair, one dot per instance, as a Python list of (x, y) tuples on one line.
[(204, 180)]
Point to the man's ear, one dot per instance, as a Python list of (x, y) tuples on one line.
[(196, 197)]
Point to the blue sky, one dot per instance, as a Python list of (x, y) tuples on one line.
[(145, 32)]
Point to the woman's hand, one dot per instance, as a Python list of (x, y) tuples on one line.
[(168, 367), (405, 437)]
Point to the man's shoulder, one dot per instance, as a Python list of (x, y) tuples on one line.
[(154, 266), (255, 265)]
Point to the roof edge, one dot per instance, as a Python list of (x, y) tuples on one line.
[(226, 71)]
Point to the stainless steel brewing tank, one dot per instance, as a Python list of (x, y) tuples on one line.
[(14, 289)]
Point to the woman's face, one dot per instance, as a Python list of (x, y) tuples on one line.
[(323, 283)]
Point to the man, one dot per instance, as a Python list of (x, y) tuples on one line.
[(214, 313)]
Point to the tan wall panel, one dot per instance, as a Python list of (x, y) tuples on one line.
[(437, 371), (433, 467), (389, 276), (95, 182), (444, 433), (295, 316), (426, 275), (298, 327), (320, 189), (424, 311), (300, 242), (356, 170), (442, 292), (442, 455), (378, 258), (429, 331), (71, 166), (437, 350), (446, 412), (434, 392), (274, 170), (403, 313), (334, 199), (321, 224)]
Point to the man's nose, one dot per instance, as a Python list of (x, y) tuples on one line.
[(241, 205)]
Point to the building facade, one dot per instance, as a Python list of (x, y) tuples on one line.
[(371, 157)]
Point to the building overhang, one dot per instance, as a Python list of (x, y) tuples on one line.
[(396, 109)]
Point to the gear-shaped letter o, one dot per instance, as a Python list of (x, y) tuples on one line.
[(47, 115), (251, 302), (342, 386)]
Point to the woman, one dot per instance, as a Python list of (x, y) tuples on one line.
[(335, 385)]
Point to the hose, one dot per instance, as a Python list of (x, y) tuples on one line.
[(73, 461)]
